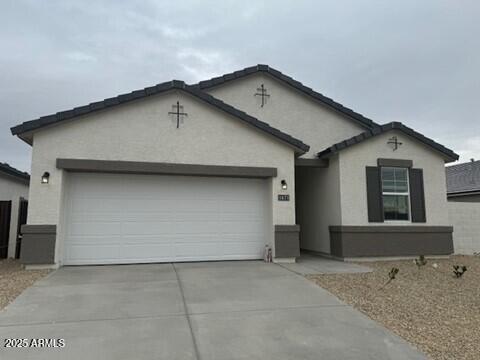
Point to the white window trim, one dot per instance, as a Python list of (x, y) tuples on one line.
[(409, 221)]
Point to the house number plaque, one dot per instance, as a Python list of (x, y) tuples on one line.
[(283, 197)]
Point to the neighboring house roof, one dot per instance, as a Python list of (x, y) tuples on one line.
[(449, 154), (362, 120), (463, 179), (48, 120), (11, 171)]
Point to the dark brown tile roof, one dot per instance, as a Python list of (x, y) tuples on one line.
[(9, 170), (140, 94), (463, 178)]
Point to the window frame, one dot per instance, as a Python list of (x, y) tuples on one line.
[(407, 194)]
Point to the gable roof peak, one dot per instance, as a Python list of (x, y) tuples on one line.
[(180, 84), (263, 67), (349, 113), (32, 125), (448, 154)]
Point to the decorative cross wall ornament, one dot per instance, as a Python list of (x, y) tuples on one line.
[(177, 111), (394, 141), (262, 92)]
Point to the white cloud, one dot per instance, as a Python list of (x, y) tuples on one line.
[(413, 61), (176, 33), (469, 149), (204, 64), (80, 56)]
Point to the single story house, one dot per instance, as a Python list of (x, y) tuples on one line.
[(463, 194), (13, 209), (221, 169)]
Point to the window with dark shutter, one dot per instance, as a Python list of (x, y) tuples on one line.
[(395, 193), (374, 194), (417, 195)]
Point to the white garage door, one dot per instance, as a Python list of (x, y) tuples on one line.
[(144, 218)]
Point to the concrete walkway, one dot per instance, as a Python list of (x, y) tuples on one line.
[(208, 311), (309, 264)]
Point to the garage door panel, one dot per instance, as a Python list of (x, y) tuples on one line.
[(147, 239), (197, 228), (239, 249), (95, 228), (242, 238), (89, 217), (235, 217), (115, 218), (241, 206), (148, 228), (163, 216), (193, 216), (241, 227), (194, 240), (78, 254), (98, 205), (147, 251), (206, 250), (170, 227), (194, 205), (95, 240), (187, 205)]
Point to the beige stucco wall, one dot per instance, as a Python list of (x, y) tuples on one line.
[(142, 131), (318, 204), (353, 186), (12, 190), (289, 110), (465, 218)]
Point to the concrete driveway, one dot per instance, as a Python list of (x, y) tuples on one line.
[(218, 310)]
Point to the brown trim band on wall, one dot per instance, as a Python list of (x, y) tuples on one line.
[(395, 163), (391, 229), (287, 241), (39, 229), (38, 244), (372, 241), (320, 163), (149, 168)]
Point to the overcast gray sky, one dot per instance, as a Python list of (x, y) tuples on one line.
[(412, 61)]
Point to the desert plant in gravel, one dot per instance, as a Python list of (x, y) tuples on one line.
[(392, 274), (421, 261), (459, 270), (430, 307)]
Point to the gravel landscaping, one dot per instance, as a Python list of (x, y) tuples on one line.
[(427, 306), (14, 279)]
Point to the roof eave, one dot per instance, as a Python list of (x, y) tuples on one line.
[(13, 174), (463, 193), (25, 130)]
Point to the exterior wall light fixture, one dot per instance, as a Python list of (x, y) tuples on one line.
[(45, 177), (284, 185)]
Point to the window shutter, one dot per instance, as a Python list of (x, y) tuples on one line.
[(417, 196), (374, 194)]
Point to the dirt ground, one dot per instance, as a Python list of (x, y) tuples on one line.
[(14, 279), (427, 306)]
